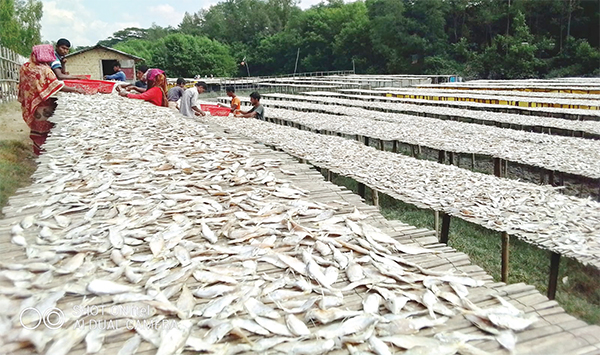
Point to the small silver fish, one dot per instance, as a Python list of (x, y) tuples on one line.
[(106, 287), (273, 326), (378, 346), (296, 326), (371, 303)]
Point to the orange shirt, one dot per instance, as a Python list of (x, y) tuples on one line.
[(236, 103)]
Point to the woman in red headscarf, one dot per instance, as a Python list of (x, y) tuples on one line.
[(37, 83), (157, 89)]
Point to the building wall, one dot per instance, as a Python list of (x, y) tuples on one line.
[(90, 62)]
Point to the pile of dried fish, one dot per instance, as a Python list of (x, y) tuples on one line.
[(539, 214), (390, 104), (571, 155), (460, 95), (534, 111), (135, 207), (496, 94), (571, 84)]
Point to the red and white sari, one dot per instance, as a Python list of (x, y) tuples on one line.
[(37, 83)]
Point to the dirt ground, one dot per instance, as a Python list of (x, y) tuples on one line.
[(12, 126)]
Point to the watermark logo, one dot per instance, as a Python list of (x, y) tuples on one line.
[(31, 318), (123, 317)]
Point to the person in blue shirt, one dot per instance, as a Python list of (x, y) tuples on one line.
[(118, 75), (58, 65)]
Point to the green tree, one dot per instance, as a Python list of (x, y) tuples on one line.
[(245, 21), (29, 14), (124, 35), (512, 56), (20, 24), (9, 26), (139, 47), (191, 24), (186, 55)]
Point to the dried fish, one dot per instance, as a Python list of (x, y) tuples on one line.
[(174, 339), (106, 287), (379, 346), (296, 326)]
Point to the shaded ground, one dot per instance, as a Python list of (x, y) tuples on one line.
[(17, 161), (12, 126)]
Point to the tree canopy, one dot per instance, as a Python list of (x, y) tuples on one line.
[(473, 38), (20, 24)]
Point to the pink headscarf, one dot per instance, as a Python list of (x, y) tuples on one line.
[(152, 73), (43, 53)]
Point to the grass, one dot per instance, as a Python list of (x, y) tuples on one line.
[(16, 166), (578, 289)]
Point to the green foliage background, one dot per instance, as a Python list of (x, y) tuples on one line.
[(496, 39)]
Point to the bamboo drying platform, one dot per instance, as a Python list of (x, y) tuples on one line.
[(542, 86), (501, 93), (554, 333), (525, 148), (494, 106), (400, 177), (510, 100), (541, 124)]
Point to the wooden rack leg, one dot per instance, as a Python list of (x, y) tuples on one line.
[(375, 196), (329, 175), (381, 145), (366, 140), (505, 256), (473, 161), (497, 167), (361, 189), (436, 223), (451, 158), (542, 177), (553, 281), (441, 156), (445, 228), (395, 147)]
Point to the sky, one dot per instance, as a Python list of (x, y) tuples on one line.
[(85, 22)]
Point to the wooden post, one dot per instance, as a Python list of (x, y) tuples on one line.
[(497, 168), (436, 223), (445, 228), (381, 145), (542, 176), (473, 161), (395, 147), (505, 254), (551, 177), (441, 156), (361, 189), (329, 175), (506, 169), (366, 141), (451, 158), (553, 281), (375, 196)]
